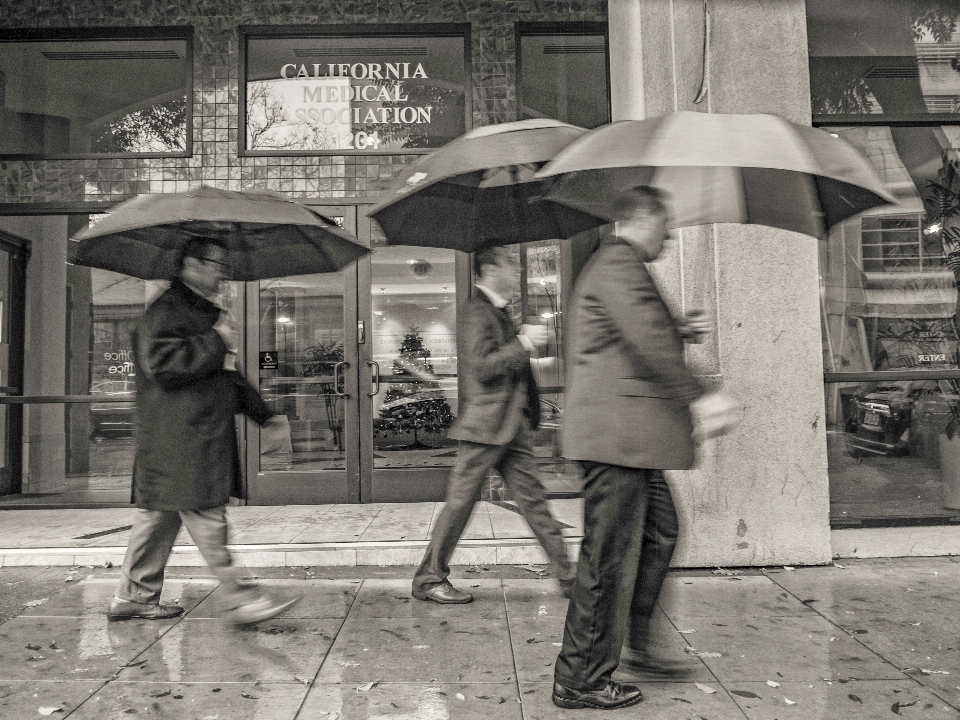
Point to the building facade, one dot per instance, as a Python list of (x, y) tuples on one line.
[(322, 102)]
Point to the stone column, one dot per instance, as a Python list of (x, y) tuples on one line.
[(759, 496)]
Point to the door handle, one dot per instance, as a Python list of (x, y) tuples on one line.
[(338, 378), (376, 366)]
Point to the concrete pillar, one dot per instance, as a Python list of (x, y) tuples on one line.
[(759, 496)]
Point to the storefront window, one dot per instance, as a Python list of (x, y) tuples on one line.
[(885, 76), (342, 94), (562, 72), (95, 93)]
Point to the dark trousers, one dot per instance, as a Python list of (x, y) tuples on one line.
[(516, 464), (629, 533)]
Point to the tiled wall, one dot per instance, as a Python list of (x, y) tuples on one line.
[(215, 159)]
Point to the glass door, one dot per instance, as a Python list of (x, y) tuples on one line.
[(408, 306), (302, 339)]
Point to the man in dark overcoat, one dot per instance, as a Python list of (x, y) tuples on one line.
[(187, 464), (628, 416), (500, 409)]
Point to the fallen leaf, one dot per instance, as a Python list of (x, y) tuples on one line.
[(724, 571), (530, 641), (933, 672), (773, 683), (34, 603), (50, 710), (368, 686), (705, 688), (684, 700), (557, 644), (420, 647), (501, 701), (32, 647), (707, 654), (789, 567), (686, 632), (855, 698), (745, 693), (838, 565), (163, 694), (460, 696), (788, 701), (249, 697)]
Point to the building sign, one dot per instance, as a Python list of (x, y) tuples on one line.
[(345, 95)]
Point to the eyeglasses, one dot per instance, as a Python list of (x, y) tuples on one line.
[(221, 263)]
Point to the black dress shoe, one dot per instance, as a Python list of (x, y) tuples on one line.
[(445, 594), (125, 610), (613, 696), (641, 665)]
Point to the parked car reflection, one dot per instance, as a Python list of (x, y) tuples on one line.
[(112, 420), (895, 418)]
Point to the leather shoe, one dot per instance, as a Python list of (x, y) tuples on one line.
[(125, 610), (263, 608), (613, 696), (639, 665), (444, 593)]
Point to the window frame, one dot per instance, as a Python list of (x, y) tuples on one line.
[(171, 32), (458, 30), (539, 29)]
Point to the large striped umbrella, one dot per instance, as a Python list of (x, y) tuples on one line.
[(719, 168)]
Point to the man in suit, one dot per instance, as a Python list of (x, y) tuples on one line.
[(186, 465), (499, 412), (629, 401)]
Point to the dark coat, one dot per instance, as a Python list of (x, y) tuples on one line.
[(499, 389), (186, 457), (627, 387)]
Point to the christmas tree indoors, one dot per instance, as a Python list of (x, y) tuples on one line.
[(415, 404)]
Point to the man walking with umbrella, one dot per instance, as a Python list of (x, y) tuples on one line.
[(630, 398), (187, 464), (502, 409)]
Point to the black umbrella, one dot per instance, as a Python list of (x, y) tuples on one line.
[(479, 190), (264, 235)]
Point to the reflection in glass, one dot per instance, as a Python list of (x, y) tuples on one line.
[(301, 346), (564, 76), (354, 93), (94, 96), (889, 302), (415, 346), (102, 310), (884, 57)]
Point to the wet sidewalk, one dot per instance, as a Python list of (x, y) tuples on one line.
[(868, 639), (290, 535)]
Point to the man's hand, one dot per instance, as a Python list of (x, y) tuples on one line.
[(695, 325), (226, 331), (713, 415), (536, 334)]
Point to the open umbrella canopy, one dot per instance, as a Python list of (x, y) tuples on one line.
[(264, 235), (719, 168), (479, 190)]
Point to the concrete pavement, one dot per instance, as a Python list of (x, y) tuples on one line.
[(868, 639)]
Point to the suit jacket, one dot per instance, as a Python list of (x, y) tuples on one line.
[(499, 389), (628, 387)]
